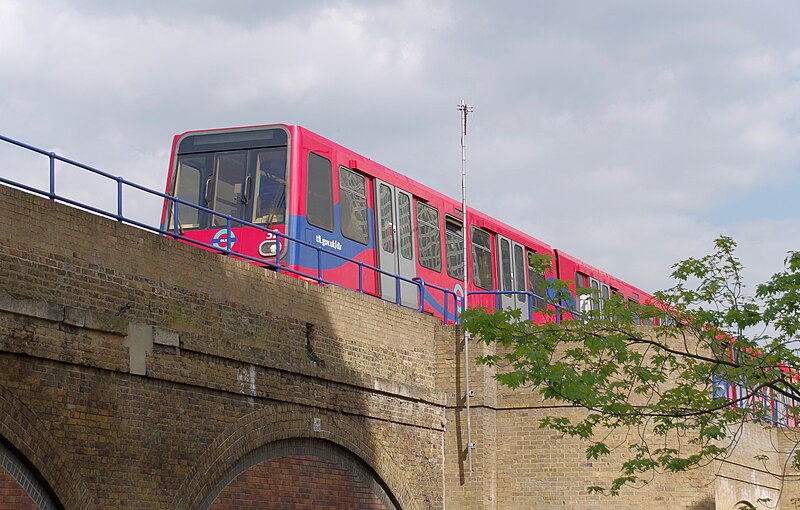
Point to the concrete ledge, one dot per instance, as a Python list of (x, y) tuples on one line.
[(162, 336), (71, 316), (37, 308)]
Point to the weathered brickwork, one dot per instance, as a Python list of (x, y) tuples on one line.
[(12, 495), (315, 474), (312, 483), (20, 488), (138, 372), (518, 465)]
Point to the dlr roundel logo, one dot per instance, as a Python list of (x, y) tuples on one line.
[(221, 241)]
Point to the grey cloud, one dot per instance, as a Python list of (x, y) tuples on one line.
[(603, 128)]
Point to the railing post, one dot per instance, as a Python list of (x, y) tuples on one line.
[(52, 176), (175, 219), (277, 253), (228, 242), (421, 285), (119, 199), (530, 306), (319, 266)]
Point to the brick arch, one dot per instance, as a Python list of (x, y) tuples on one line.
[(304, 471), (32, 445), (252, 434), (20, 488)]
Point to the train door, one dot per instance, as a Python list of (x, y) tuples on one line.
[(510, 265), (536, 282), (396, 248), (600, 294)]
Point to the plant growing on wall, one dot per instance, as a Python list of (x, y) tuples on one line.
[(680, 390)]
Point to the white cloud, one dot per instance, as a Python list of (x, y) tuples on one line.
[(615, 132)]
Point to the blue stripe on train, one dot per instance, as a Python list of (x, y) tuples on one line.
[(438, 308), (334, 242), (305, 259)]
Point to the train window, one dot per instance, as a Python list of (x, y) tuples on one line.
[(536, 282), (454, 247), (482, 274), (584, 300), (505, 258), (271, 185), (404, 229), (519, 272), (353, 205), (428, 237), (605, 295), (387, 218), (230, 196), (319, 198), (635, 316), (192, 174), (225, 141), (594, 299)]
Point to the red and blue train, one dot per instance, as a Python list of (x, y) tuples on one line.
[(293, 200)]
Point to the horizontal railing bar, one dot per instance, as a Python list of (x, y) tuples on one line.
[(284, 239)]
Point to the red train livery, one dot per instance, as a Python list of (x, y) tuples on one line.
[(350, 221)]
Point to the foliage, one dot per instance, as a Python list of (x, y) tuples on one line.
[(659, 394)]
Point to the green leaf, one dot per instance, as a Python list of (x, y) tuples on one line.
[(658, 382)]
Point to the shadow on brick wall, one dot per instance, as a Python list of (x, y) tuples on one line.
[(160, 371)]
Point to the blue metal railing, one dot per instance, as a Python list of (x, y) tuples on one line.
[(559, 311), (774, 410), (176, 204), (766, 407)]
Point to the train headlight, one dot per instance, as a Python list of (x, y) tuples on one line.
[(267, 248)]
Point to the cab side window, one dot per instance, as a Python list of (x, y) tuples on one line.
[(454, 247), (429, 238), (319, 197), (482, 274), (353, 205)]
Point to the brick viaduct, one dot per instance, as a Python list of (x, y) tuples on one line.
[(138, 372)]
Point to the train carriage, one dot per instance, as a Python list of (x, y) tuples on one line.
[(602, 285), (341, 218)]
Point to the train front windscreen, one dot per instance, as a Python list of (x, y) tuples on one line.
[(242, 174)]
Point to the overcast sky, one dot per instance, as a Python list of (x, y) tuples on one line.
[(627, 133)]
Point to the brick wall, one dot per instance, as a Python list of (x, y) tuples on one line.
[(301, 474), (20, 488), (305, 483), (12, 495), (137, 372), (517, 465)]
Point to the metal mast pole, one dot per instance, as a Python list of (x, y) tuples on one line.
[(465, 110)]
